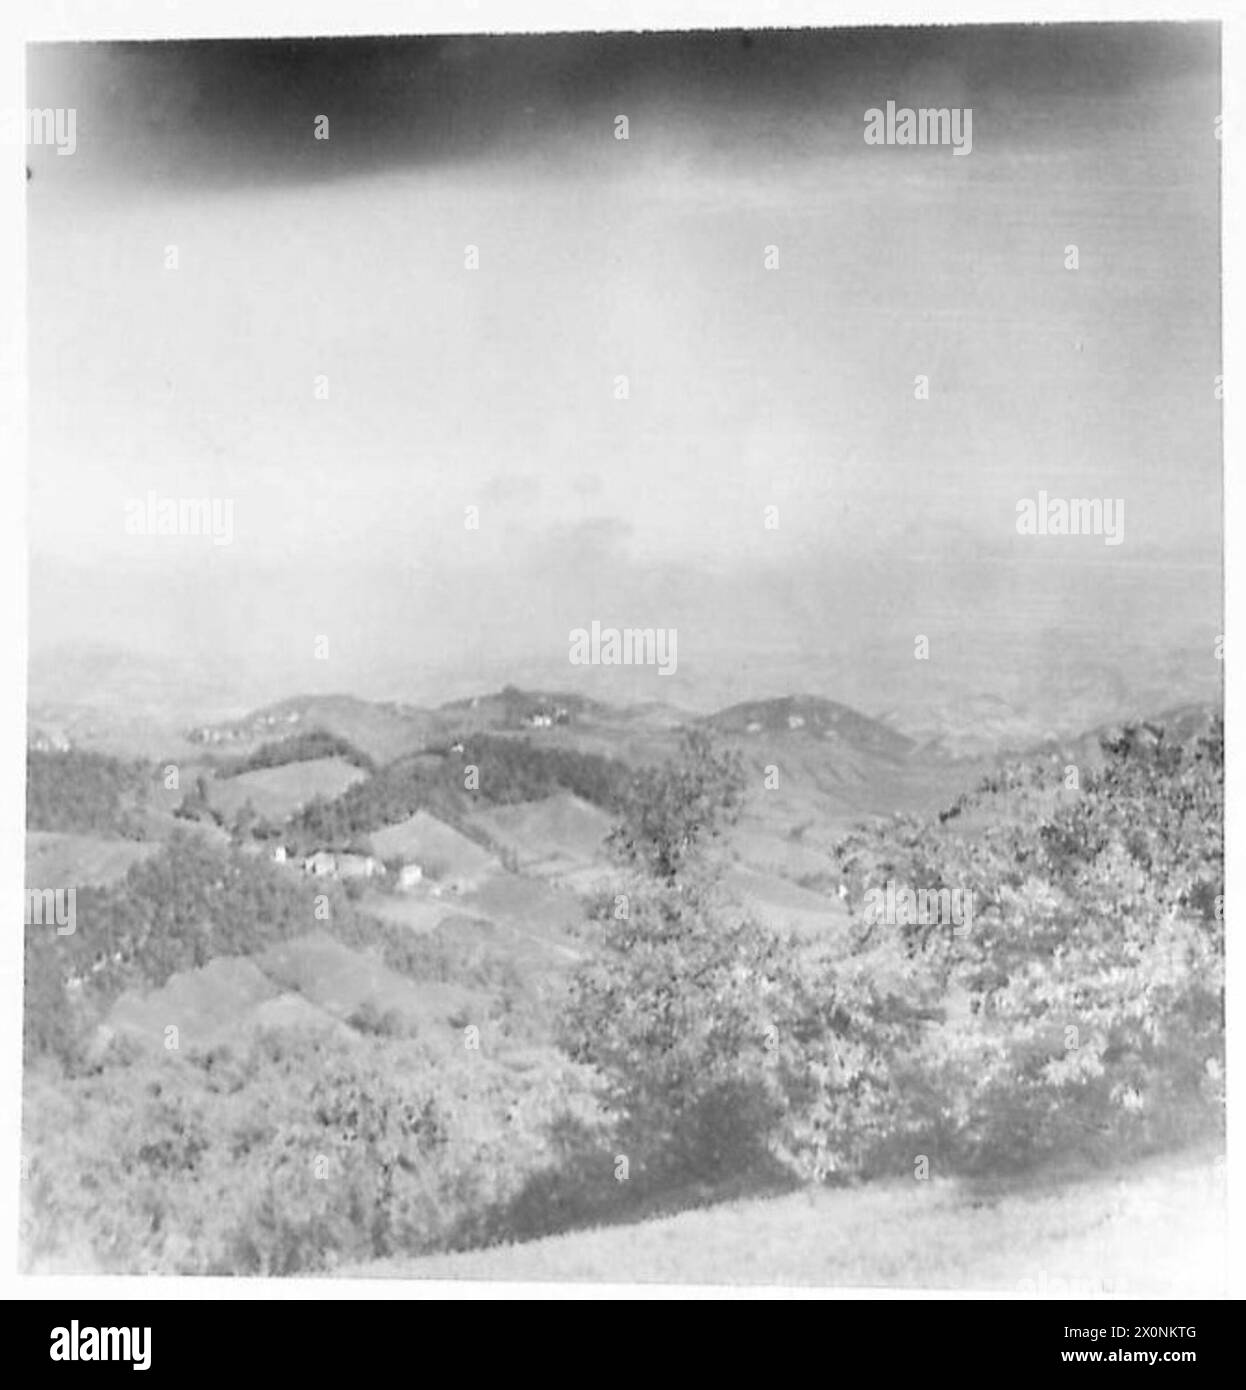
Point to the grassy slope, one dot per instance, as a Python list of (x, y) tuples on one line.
[(558, 830), (278, 792), (53, 859), (1153, 1230), (231, 995), (424, 839)]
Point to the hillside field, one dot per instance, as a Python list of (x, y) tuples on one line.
[(440, 850), (277, 792), (73, 861), (558, 833)]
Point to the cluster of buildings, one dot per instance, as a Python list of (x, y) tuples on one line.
[(341, 864), (231, 733), (546, 716), (347, 864), (41, 742), (794, 722)]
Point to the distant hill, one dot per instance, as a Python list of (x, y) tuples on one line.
[(969, 726), (836, 764), (513, 708), (388, 731), (634, 734), (812, 763), (382, 731), (1178, 724), (811, 715), (1056, 706), (123, 732)]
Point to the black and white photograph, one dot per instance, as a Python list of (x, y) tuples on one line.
[(624, 659)]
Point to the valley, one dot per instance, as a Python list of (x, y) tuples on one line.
[(410, 893)]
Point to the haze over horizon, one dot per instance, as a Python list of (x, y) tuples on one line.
[(747, 387)]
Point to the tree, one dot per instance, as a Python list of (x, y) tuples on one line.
[(246, 820), (195, 804), (721, 1048), (670, 813)]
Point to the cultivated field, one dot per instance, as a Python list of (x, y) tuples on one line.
[(278, 792)]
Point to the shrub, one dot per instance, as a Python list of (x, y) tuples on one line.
[(292, 1153), (1084, 1008), (368, 1019)]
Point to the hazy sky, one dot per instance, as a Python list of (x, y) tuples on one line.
[(748, 387)]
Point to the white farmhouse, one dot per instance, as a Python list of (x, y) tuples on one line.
[(359, 866)]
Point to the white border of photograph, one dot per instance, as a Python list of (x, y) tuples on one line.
[(82, 20)]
